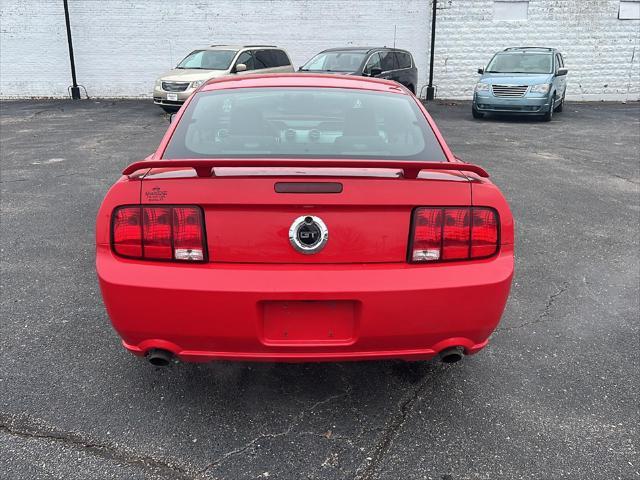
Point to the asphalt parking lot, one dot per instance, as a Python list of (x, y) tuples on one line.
[(554, 396)]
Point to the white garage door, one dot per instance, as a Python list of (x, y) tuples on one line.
[(122, 46)]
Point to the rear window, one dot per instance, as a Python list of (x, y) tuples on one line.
[(303, 123)]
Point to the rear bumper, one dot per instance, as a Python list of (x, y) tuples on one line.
[(208, 312), (520, 106)]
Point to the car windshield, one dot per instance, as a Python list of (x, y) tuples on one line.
[(208, 59), (347, 61), (303, 123), (520, 63)]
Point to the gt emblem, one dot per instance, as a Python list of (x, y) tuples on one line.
[(308, 234)]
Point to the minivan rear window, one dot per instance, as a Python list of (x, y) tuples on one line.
[(303, 122)]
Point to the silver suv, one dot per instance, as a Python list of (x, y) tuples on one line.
[(175, 86)]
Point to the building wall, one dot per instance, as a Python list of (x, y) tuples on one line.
[(601, 52), (121, 46)]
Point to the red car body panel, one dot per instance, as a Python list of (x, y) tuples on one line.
[(256, 298)]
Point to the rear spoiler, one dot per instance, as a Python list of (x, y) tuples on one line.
[(204, 168)]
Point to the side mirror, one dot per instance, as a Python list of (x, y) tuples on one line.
[(240, 67), (171, 117), (481, 71), (562, 72), (375, 71)]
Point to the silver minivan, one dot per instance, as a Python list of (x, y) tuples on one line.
[(522, 81), (175, 86)]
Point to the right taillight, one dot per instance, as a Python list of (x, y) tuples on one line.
[(159, 232), (453, 233), (484, 232)]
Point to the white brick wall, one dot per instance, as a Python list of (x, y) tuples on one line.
[(122, 45), (597, 47)]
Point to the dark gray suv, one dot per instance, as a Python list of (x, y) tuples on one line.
[(388, 63)]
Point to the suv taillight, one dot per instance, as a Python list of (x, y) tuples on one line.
[(159, 233), (453, 233)]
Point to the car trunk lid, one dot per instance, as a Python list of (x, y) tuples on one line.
[(249, 211)]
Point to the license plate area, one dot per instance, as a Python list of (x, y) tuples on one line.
[(309, 323), (173, 97)]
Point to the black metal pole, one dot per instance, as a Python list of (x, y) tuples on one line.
[(431, 91), (75, 90)]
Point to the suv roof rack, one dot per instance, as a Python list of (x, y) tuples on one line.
[(243, 46), (529, 48)]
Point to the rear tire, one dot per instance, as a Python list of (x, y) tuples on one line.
[(476, 113), (412, 89), (549, 115)]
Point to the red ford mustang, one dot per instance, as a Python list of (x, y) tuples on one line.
[(304, 218)]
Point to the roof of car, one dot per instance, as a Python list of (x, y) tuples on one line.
[(235, 47), (360, 49), (538, 49), (302, 80)]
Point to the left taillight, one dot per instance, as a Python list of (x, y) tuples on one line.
[(159, 232), (453, 233)]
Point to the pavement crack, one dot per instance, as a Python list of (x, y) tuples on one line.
[(328, 436), (626, 179), (14, 181), (374, 459), (269, 436), (545, 312), (25, 427)]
